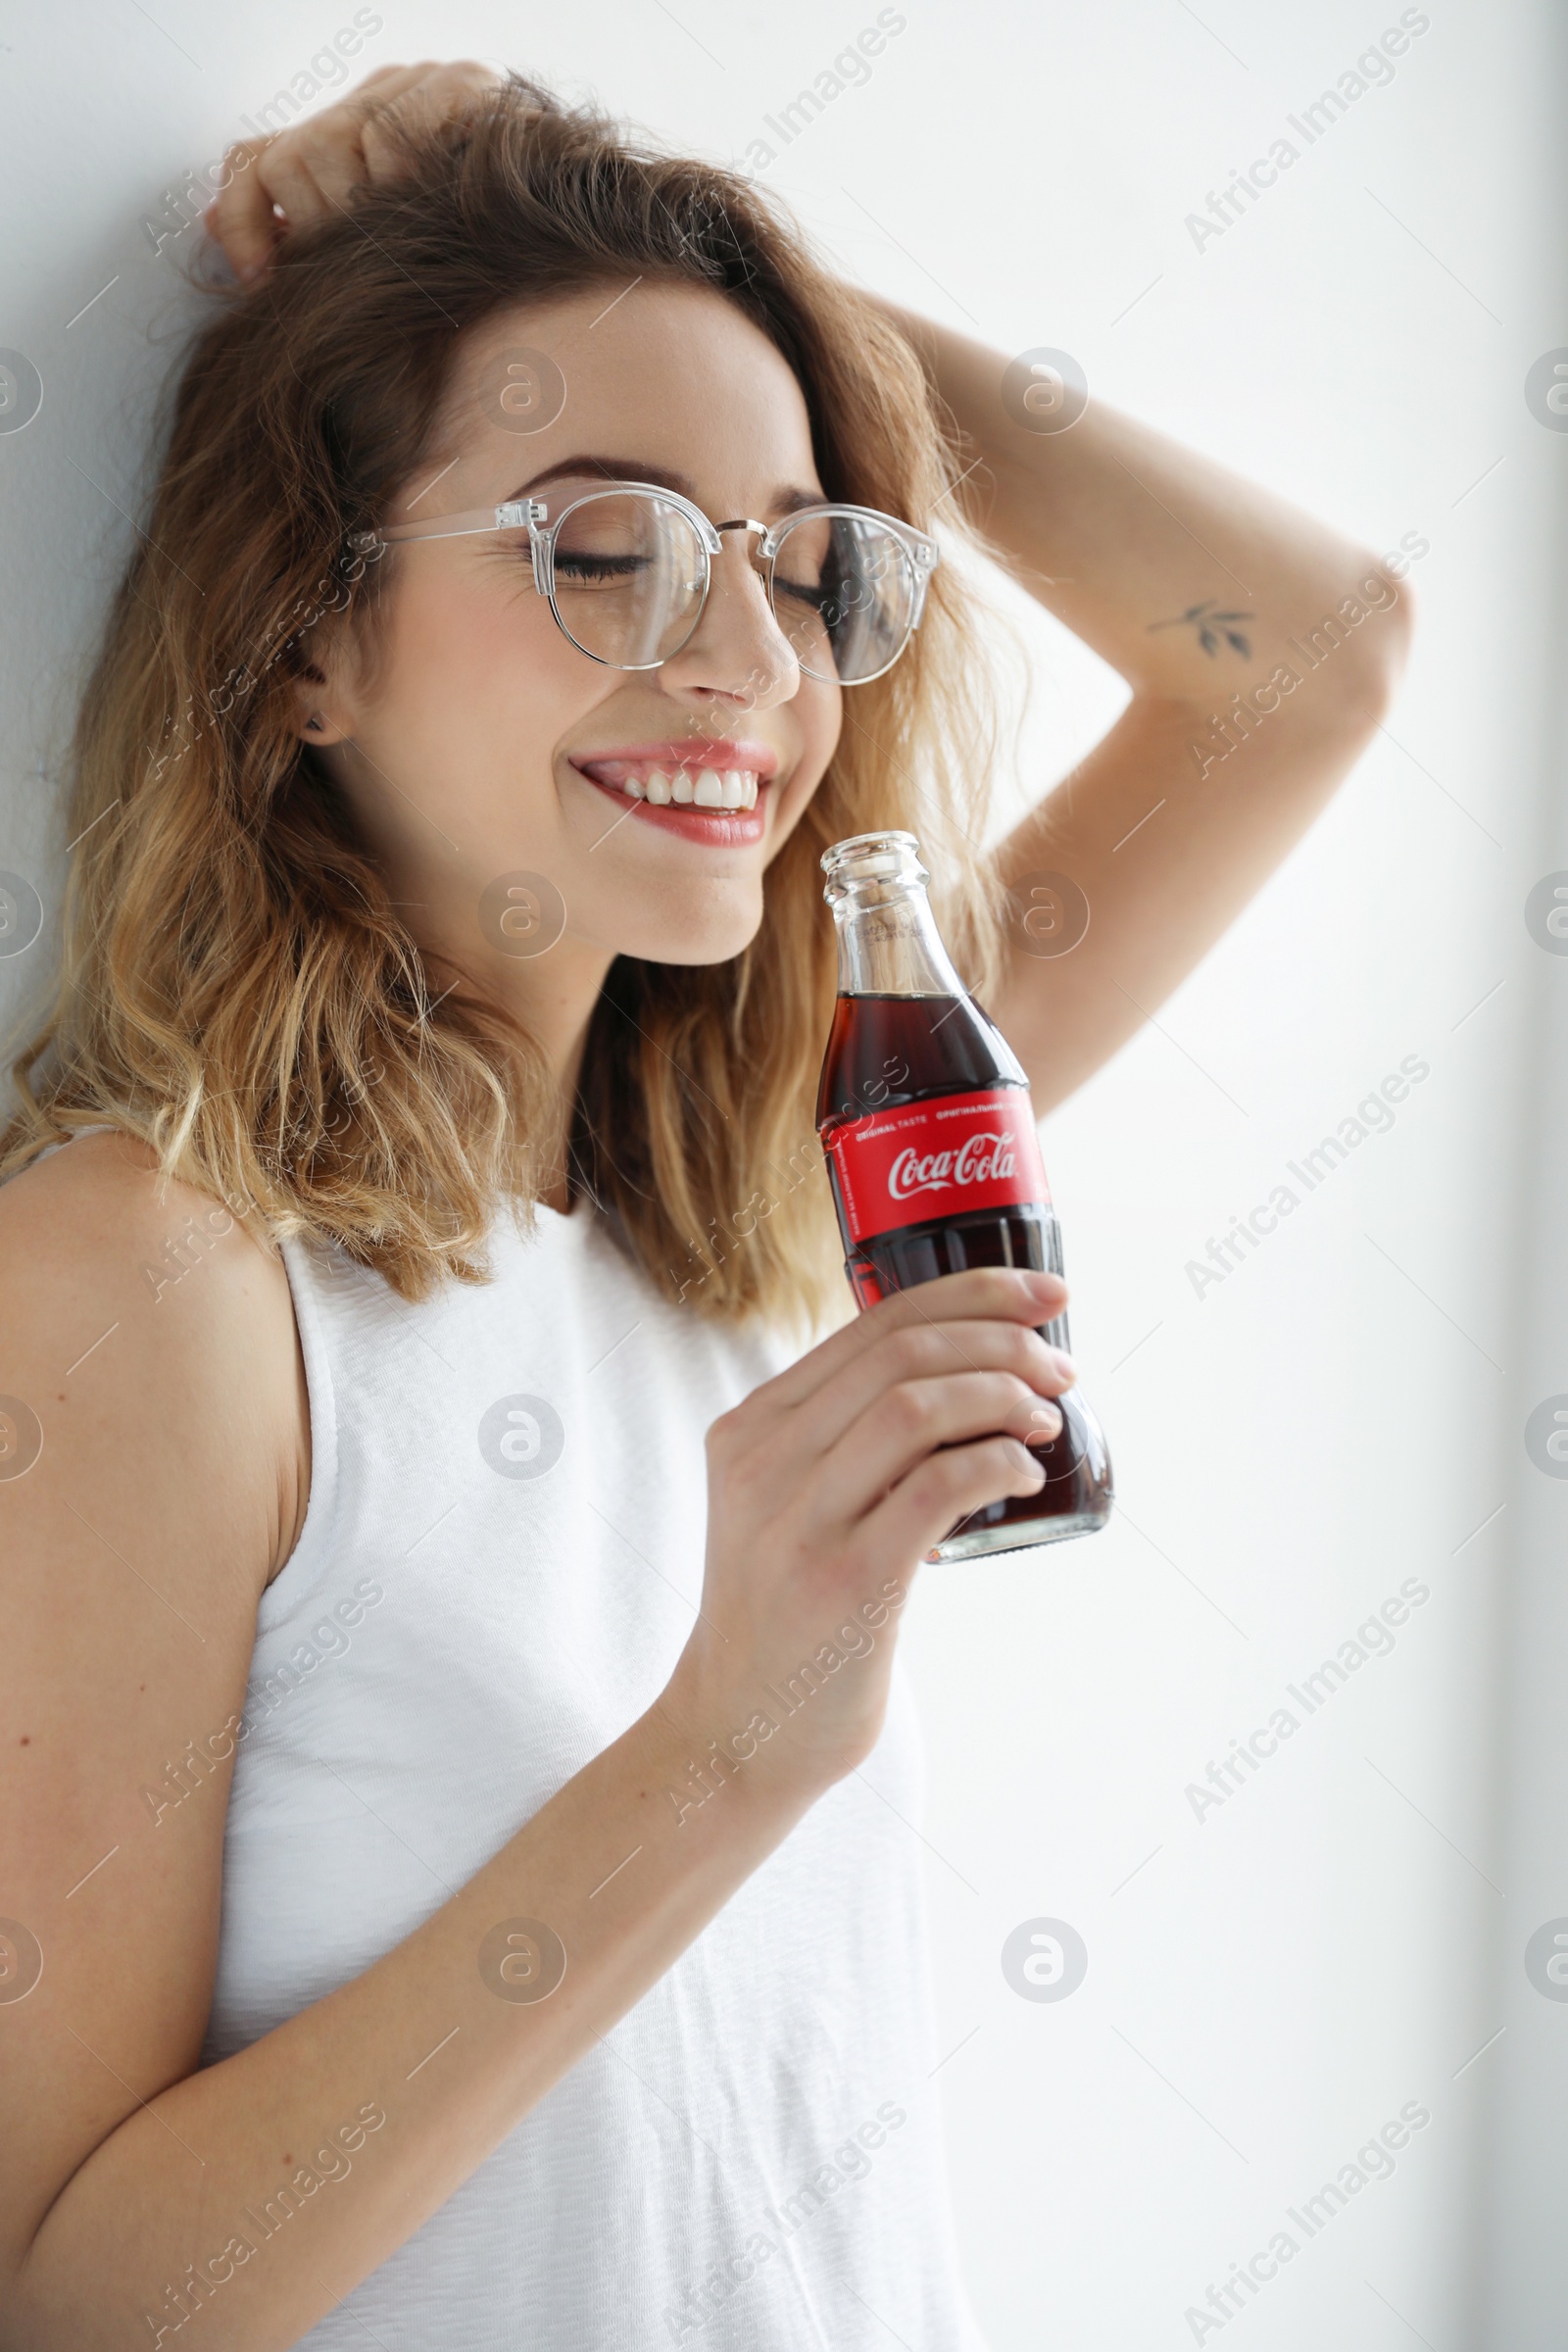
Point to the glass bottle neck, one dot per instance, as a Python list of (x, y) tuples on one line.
[(889, 945)]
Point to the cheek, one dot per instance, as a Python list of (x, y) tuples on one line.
[(488, 639), (478, 686), (818, 712), (822, 724), (474, 690)]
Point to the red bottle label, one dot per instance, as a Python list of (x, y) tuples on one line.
[(938, 1159)]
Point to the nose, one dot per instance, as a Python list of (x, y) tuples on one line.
[(737, 652)]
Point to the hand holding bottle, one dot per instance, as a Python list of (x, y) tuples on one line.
[(826, 1487)]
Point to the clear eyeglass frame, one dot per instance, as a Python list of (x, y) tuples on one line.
[(533, 514)]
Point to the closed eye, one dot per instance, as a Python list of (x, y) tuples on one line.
[(585, 568), (598, 571), (817, 599)]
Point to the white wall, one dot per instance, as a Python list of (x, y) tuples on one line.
[(1347, 1408)]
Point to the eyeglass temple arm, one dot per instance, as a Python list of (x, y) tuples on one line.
[(513, 514)]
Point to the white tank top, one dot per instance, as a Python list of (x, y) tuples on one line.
[(501, 1561)]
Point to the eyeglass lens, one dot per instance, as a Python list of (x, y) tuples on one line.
[(627, 580), (843, 595), (628, 576)]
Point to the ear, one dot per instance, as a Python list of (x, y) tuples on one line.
[(323, 709)]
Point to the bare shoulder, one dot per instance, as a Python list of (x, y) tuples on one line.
[(142, 1321)]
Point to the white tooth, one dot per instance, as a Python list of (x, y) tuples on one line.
[(734, 789), (681, 786), (747, 791), (635, 788), (659, 788), (709, 792)]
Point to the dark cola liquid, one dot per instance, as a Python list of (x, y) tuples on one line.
[(886, 1051)]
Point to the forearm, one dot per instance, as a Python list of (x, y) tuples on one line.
[(1122, 533), (1168, 835), (433, 2038), (1261, 648)]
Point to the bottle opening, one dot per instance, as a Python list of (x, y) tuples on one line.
[(871, 858)]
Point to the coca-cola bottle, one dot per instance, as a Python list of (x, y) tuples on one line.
[(925, 1117)]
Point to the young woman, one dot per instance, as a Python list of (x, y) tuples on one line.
[(429, 1918)]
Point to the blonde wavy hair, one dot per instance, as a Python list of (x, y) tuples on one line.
[(235, 987)]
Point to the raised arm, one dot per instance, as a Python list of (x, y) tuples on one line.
[(1261, 648)]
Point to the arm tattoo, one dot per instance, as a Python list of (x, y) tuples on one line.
[(1210, 626)]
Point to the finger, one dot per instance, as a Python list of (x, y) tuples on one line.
[(328, 151), (286, 177), (240, 218), (922, 1352), (381, 74), (385, 83), (424, 92), (377, 91), (945, 1489), (444, 95), (1012, 1292), (453, 83), (912, 1422)]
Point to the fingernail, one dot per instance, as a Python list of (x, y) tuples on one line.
[(1062, 1362), (1044, 1288), (1046, 1424), (1022, 1459)]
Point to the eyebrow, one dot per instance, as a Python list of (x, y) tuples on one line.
[(786, 501)]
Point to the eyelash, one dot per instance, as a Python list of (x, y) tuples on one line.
[(600, 567), (604, 568)]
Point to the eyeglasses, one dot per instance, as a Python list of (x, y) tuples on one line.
[(626, 567)]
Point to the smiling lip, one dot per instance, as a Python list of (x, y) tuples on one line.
[(706, 790)]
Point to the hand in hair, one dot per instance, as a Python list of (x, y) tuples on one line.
[(307, 171)]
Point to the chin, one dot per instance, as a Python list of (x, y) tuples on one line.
[(706, 926)]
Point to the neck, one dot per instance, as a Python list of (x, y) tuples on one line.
[(551, 995)]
